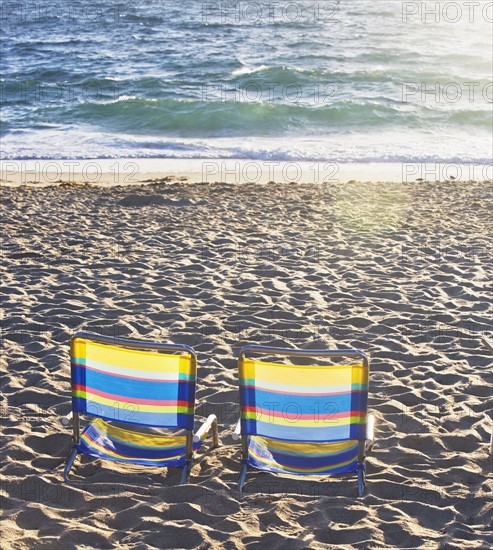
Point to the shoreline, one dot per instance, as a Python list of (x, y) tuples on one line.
[(140, 171)]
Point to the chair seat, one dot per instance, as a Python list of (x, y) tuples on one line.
[(103, 440), (302, 458)]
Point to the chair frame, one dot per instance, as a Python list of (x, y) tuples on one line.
[(488, 342), (363, 445), (74, 417)]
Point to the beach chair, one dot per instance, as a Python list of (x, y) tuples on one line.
[(488, 342), (125, 385), (308, 420)]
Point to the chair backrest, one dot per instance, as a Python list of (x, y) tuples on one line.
[(303, 403), (133, 381)]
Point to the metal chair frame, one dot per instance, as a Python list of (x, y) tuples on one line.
[(363, 445), (74, 417), (488, 342)]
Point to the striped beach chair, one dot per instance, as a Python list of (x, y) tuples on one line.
[(297, 419), (125, 385)]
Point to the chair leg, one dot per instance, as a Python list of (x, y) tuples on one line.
[(241, 479), (361, 479), (70, 463), (215, 435), (185, 474)]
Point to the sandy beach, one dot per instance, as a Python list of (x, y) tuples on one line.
[(401, 271)]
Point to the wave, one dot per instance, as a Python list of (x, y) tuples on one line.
[(235, 118), (159, 74), (376, 146)]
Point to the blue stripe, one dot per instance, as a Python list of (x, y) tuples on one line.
[(137, 389), (287, 461), (137, 455), (96, 453), (349, 468), (132, 416), (302, 460), (297, 433), (319, 407)]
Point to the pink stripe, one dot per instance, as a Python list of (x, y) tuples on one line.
[(125, 399)]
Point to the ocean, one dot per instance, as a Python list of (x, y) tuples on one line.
[(339, 81)]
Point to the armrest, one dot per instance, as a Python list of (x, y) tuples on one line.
[(370, 432), (237, 431), (204, 430), (67, 419)]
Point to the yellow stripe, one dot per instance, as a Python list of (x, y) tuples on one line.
[(300, 374), (187, 365), (138, 438), (78, 348), (360, 376), (133, 359), (135, 438), (311, 448), (288, 469), (129, 459), (300, 470)]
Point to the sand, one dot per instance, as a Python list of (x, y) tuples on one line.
[(401, 271), (131, 171)]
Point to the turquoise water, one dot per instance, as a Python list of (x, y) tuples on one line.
[(345, 81)]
